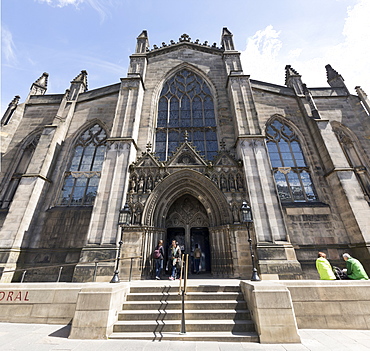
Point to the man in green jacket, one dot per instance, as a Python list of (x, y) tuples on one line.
[(355, 270)]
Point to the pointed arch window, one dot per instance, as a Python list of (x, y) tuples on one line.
[(291, 173), (82, 178), (353, 155), (186, 104), (21, 168)]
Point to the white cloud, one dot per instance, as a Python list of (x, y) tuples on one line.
[(62, 3), (7, 45), (264, 60), (101, 6), (260, 57)]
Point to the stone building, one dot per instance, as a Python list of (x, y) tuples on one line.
[(184, 139)]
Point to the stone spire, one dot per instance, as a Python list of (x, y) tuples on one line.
[(227, 40), (78, 85), (40, 86), (142, 43), (334, 79), (293, 80), (364, 98), (9, 111)]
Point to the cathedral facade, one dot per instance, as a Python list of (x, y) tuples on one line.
[(183, 141)]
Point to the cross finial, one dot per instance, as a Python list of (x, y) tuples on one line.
[(222, 145), (149, 147), (184, 37)]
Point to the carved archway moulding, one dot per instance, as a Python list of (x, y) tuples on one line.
[(182, 183)]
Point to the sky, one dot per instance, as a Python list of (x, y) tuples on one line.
[(63, 37)]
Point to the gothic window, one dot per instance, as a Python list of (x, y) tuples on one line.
[(82, 178), (291, 173), (186, 104), (355, 161), (21, 169)]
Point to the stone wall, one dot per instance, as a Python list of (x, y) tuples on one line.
[(38, 303), (331, 304), (92, 307), (280, 308)]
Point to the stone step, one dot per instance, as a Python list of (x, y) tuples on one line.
[(205, 315), (174, 296), (175, 288), (189, 305), (191, 326), (190, 336)]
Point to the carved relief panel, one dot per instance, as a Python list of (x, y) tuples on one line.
[(224, 171)]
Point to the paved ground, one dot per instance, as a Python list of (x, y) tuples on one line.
[(42, 337)]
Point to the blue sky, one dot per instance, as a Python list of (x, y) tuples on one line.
[(63, 37)]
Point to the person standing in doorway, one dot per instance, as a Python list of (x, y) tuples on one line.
[(355, 270), (174, 254), (324, 268), (197, 256), (158, 257)]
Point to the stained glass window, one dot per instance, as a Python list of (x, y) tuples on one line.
[(82, 179), (291, 173), (186, 104)]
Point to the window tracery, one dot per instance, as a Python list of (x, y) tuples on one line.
[(82, 179), (186, 104), (353, 155), (291, 172), (20, 170)]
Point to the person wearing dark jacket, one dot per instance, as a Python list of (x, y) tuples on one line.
[(159, 260)]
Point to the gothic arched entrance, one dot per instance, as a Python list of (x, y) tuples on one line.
[(187, 206), (187, 222)]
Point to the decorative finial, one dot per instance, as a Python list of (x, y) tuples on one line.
[(184, 37), (222, 145), (290, 72), (149, 147), (81, 78), (186, 135)]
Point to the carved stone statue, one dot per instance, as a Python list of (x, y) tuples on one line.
[(132, 185), (141, 185)]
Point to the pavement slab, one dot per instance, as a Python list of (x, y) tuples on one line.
[(43, 337)]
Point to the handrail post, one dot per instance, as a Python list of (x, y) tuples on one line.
[(186, 272), (181, 270), (183, 292), (95, 269), (129, 277), (60, 273), (23, 274)]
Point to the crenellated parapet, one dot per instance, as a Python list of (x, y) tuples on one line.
[(185, 39)]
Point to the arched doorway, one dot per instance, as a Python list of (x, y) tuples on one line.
[(191, 195), (187, 222)]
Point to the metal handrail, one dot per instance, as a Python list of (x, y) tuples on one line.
[(61, 266), (182, 288)]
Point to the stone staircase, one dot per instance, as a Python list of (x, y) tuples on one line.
[(212, 313)]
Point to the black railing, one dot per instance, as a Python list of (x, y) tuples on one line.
[(183, 288), (61, 267)]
